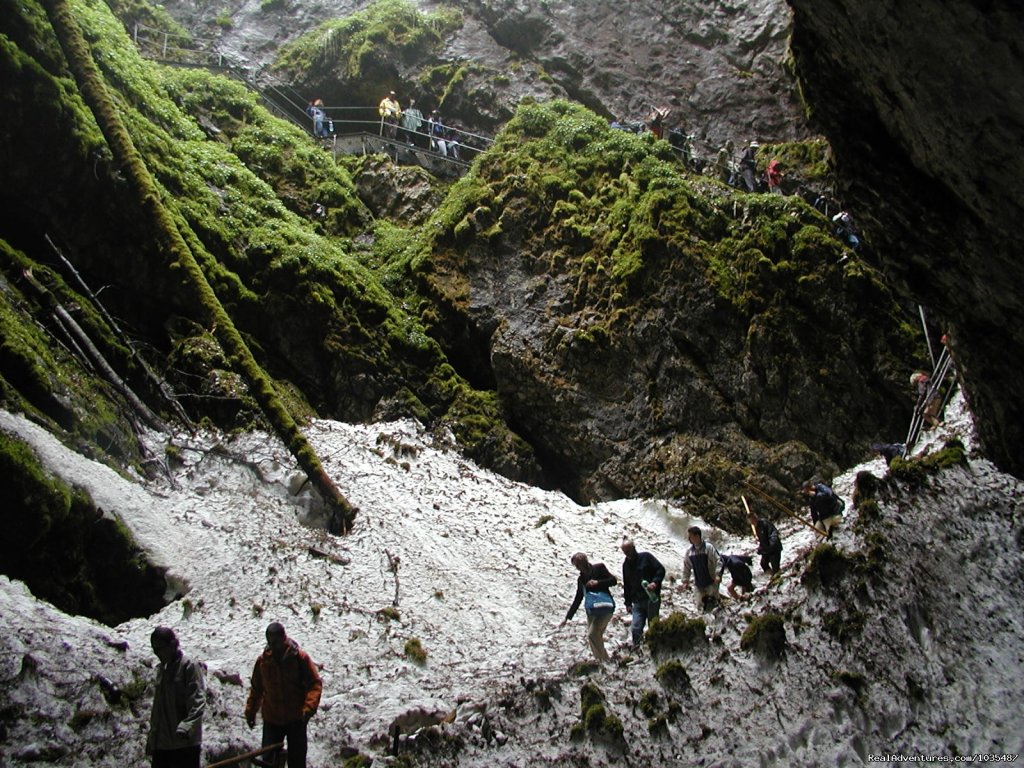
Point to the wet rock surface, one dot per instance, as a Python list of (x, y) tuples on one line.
[(924, 109)]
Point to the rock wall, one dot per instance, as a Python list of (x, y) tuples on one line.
[(924, 106)]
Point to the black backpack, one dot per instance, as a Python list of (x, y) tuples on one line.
[(838, 505)]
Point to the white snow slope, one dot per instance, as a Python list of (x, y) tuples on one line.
[(921, 652)]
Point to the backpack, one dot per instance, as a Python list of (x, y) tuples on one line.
[(838, 505)]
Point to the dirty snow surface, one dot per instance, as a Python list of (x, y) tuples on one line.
[(915, 648)]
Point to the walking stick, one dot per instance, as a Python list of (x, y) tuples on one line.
[(248, 755), (753, 527), (784, 508)]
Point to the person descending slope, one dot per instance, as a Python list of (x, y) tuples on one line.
[(593, 588), (642, 576)]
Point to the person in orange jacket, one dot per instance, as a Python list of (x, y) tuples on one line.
[(286, 690)]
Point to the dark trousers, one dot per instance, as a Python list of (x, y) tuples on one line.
[(187, 757), (295, 734), (771, 560)]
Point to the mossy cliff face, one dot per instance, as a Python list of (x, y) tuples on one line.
[(923, 106), (267, 213), (655, 333)]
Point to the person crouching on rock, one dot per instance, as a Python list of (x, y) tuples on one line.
[(594, 587), (739, 569)]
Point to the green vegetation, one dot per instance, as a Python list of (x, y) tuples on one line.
[(676, 633), (916, 471), (65, 549), (765, 636), (826, 567), (595, 719), (414, 650), (366, 44), (673, 676)]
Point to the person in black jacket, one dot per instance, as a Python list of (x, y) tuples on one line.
[(738, 567), (769, 545), (826, 507), (642, 576), (594, 577)]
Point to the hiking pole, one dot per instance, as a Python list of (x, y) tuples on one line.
[(927, 338), (784, 508), (753, 528), (247, 756)]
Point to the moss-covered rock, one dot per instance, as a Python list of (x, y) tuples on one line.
[(673, 675), (676, 633), (826, 567), (728, 319), (765, 636), (65, 549)]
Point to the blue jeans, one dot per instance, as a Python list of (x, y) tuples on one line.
[(643, 612)]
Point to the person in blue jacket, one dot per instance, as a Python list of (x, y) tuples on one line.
[(642, 576)]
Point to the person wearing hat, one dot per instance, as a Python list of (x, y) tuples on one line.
[(390, 113), (748, 166)]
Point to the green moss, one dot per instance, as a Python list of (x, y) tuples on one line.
[(916, 471), (65, 550), (650, 703), (415, 651), (584, 668), (673, 676), (362, 45), (765, 636), (676, 633), (844, 625), (826, 566), (657, 727), (389, 613)]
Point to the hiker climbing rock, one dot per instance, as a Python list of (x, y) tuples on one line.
[(642, 576), (437, 132), (701, 561), (739, 569), (390, 113), (826, 507), (176, 722), (769, 544), (286, 690), (593, 588), (928, 401), (888, 451), (724, 165), (846, 230)]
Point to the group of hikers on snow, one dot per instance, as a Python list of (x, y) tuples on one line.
[(643, 576), (285, 690)]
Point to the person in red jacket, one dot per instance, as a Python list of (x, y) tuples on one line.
[(286, 690), (774, 175)]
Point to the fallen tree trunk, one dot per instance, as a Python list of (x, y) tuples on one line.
[(172, 243)]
